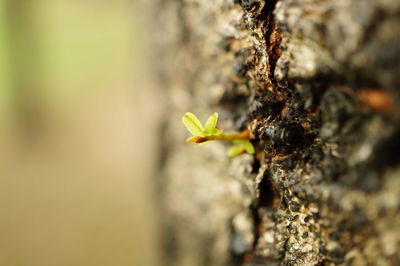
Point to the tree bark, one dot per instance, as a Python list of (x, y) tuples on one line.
[(317, 83)]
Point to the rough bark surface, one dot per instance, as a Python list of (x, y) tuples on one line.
[(317, 84)]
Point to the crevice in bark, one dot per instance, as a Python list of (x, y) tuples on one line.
[(266, 101), (272, 37)]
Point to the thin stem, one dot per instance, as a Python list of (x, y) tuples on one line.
[(224, 137)]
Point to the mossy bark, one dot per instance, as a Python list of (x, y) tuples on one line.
[(317, 83)]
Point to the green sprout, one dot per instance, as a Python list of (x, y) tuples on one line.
[(210, 132)]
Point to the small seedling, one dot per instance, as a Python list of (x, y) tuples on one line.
[(210, 132)]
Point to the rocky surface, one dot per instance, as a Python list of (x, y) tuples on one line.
[(317, 85)]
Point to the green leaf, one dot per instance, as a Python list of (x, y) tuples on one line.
[(217, 132), (235, 150), (193, 124), (249, 147), (242, 146), (211, 124)]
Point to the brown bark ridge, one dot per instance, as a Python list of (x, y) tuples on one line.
[(317, 83)]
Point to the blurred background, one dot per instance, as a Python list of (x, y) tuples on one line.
[(78, 135)]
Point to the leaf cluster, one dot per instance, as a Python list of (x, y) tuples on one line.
[(194, 126), (210, 132), (241, 147)]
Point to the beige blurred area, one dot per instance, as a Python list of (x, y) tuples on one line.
[(78, 135)]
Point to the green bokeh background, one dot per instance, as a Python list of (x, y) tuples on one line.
[(74, 188)]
